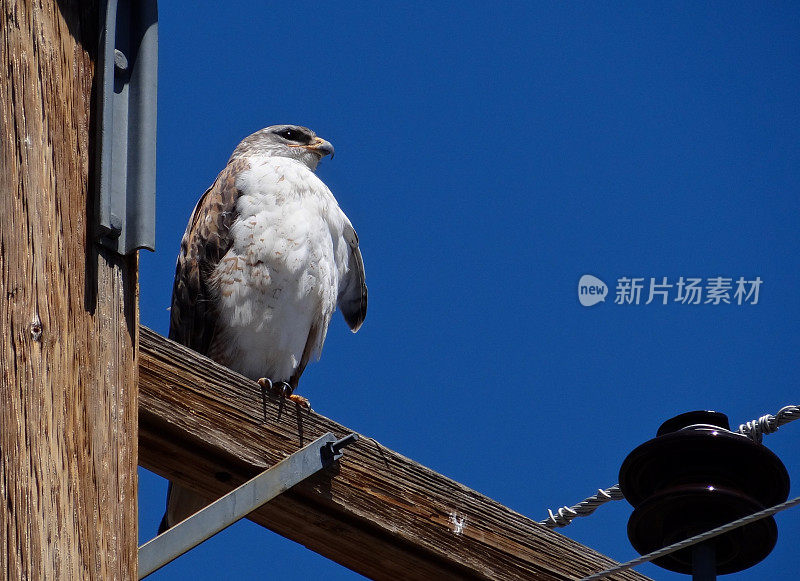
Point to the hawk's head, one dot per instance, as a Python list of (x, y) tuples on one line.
[(292, 141)]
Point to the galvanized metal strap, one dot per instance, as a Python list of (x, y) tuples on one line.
[(240, 502)]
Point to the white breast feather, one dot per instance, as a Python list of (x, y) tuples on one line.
[(282, 274)]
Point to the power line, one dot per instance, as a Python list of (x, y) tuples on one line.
[(721, 530)]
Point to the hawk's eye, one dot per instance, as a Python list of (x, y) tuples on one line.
[(292, 135)]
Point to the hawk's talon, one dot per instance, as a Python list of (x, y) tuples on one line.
[(283, 390), (266, 387), (276, 388)]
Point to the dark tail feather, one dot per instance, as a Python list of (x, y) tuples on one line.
[(163, 526), (164, 521), (181, 504)]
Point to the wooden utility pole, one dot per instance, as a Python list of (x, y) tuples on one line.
[(68, 314)]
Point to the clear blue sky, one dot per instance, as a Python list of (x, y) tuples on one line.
[(489, 155)]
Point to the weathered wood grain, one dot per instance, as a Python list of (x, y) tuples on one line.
[(68, 315), (380, 513)]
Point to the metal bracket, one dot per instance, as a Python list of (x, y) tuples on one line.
[(126, 128), (240, 502)]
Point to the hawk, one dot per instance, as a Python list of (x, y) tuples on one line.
[(267, 257)]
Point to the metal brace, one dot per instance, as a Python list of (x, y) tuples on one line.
[(240, 502), (126, 128)]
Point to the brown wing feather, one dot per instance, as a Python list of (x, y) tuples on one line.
[(193, 314)]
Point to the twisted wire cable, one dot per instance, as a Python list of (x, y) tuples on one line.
[(566, 514), (769, 424)]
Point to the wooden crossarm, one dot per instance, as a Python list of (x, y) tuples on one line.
[(379, 513)]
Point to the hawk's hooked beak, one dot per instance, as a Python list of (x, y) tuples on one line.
[(319, 146)]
